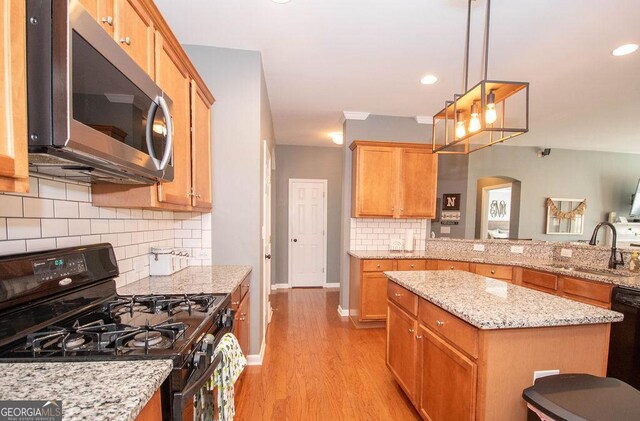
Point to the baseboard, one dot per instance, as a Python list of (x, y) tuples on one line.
[(343, 312), (331, 285), (280, 286), (257, 359)]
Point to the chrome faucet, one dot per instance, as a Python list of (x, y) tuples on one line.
[(614, 262)]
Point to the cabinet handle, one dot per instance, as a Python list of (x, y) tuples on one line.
[(401, 210), (393, 209), (411, 266), (397, 294), (125, 40), (451, 267), (439, 323), (493, 271), (377, 266), (411, 330), (419, 337), (235, 303), (108, 20)]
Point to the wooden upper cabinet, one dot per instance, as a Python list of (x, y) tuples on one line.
[(374, 181), (397, 180), (173, 78), (14, 165), (101, 11), (201, 171), (418, 178), (134, 31)]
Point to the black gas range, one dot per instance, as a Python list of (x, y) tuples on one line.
[(62, 305)]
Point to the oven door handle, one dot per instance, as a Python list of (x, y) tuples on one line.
[(181, 398)]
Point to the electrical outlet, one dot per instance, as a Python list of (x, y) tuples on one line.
[(445, 230), (203, 254), (544, 373), (517, 249), (566, 252), (478, 247)]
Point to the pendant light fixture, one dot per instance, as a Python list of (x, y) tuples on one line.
[(490, 120)]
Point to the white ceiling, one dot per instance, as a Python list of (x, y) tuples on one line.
[(323, 57)]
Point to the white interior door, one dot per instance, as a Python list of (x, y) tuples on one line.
[(266, 234), (307, 232)]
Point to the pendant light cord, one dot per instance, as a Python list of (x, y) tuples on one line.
[(486, 40), (466, 48)]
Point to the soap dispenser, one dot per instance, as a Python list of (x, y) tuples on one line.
[(634, 263)]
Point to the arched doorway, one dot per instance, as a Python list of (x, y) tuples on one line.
[(497, 208)]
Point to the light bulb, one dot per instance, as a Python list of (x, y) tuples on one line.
[(460, 130), (490, 115), (474, 121)]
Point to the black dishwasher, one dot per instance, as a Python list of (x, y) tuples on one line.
[(624, 346)]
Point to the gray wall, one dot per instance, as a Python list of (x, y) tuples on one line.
[(607, 180), (452, 178), (314, 163), (234, 77), (375, 127)]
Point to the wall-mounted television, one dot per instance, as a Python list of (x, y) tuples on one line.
[(635, 203)]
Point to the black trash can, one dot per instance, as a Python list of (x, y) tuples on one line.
[(582, 397)]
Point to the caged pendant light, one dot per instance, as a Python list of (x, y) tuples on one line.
[(496, 110)]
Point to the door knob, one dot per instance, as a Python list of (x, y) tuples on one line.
[(267, 256), (295, 240)]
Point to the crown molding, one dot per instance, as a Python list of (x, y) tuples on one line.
[(355, 115), (423, 119)]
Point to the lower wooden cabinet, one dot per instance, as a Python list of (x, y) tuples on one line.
[(450, 265), (448, 380), (373, 297), (402, 349), (152, 410), (241, 304)]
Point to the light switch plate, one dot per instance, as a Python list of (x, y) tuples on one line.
[(478, 247), (445, 230), (517, 249), (566, 252)]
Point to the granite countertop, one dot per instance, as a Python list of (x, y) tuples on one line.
[(558, 268), (218, 279), (105, 390), (487, 303)]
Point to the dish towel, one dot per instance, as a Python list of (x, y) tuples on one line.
[(224, 377)]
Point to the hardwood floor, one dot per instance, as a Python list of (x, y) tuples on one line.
[(318, 367)]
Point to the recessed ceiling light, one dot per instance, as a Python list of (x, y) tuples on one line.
[(623, 50), (429, 80), (336, 137), (281, 1)]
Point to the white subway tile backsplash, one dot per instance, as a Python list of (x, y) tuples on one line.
[(78, 192), (23, 228), (58, 214), (11, 206), (41, 244), (376, 234), (64, 209), (54, 228), (99, 226)]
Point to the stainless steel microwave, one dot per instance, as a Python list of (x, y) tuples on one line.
[(93, 113)]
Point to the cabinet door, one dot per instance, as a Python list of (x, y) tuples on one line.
[(373, 296), (134, 32), (448, 383), (451, 265), (418, 180), (402, 349), (376, 178), (172, 77), (201, 149), (243, 322), (14, 166)]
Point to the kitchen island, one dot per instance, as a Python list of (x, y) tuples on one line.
[(98, 390), (464, 346)]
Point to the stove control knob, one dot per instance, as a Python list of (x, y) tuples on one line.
[(64, 282)]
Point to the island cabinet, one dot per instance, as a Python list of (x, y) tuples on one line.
[(240, 304), (368, 288), (140, 29), (453, 370), (14, 164), (393, 180)]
